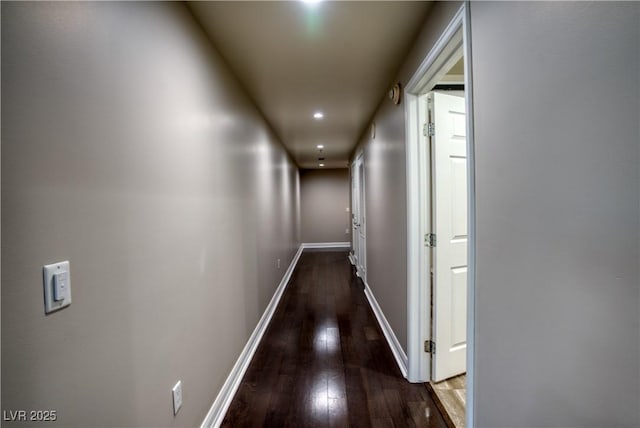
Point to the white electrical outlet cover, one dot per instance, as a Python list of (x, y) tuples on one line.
[(54, 301), (177, 396)]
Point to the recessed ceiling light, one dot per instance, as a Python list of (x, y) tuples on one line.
[(311, 1), (318, 115), (320, 146), (321, 164)]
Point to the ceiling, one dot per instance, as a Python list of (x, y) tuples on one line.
[(296, 58)]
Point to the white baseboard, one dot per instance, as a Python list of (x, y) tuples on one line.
[(223, 400), (326, 245), (392, 340)]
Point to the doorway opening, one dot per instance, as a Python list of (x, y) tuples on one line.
[(449, 266), (358, 219), (441, 234)]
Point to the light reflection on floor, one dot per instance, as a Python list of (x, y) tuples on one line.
[(326, 340), (328, 391), (319, 399)]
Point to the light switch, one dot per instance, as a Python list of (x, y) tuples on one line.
[(60, 286), (176, 391), (57, 286)]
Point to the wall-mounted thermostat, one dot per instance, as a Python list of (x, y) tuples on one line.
[(57, 286)]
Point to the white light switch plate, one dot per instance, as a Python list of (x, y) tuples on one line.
[(57, 286), (177, 397)]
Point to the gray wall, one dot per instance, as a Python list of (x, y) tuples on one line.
[(324, 199), (130, 150), (385, 185), (556, 101)]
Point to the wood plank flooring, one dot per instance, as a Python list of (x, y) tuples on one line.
[(324, 362), (451, 398)]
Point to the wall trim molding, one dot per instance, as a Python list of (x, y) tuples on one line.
[(352, 259), (398, 353), (326, 245), (222, 402)]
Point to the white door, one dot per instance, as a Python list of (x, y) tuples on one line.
[(449, 207), (361, 221)]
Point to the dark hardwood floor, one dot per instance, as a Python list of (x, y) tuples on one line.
[(324, 361)]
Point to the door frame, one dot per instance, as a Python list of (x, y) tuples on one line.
[(358, 212), (455, 38), (361, 265), (355, 212)]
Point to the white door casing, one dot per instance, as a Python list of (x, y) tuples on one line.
[(355, 213), (361, 218), (449, 223), (454, 40), (358, 218)]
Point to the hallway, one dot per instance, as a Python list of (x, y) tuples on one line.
[(324, 361), (166, 164)]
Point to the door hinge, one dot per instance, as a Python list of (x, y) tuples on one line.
[(429, 129), (429, 346), (430, 240)]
